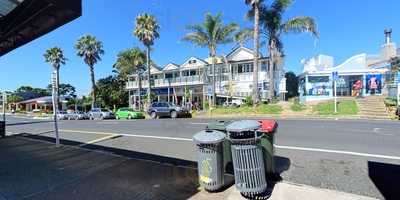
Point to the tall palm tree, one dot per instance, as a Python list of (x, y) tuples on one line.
[(90, 49), (273, 27), (210, 34), (255, 12), (55, 57), (147, 30), (131, 61)]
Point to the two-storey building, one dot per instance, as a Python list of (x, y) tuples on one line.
[(192, 80)]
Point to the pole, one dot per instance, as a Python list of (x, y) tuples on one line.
[(55, 109), (398, 94), (4, 106), (334, 83)]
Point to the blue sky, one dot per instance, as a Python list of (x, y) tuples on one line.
[(347, 27)]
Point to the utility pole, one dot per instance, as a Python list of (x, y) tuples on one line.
[(55, 106), (4, 106)]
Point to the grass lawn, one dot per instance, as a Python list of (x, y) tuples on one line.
[(297, 107), (345, 107), (261, 109)]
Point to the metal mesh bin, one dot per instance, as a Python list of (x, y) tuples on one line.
[(210, 158), (247, 156)]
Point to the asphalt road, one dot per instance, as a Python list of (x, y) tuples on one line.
[(356, 156)]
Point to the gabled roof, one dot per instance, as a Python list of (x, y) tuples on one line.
[(170, 66), (193, 62), (154, 69), (241, 53)]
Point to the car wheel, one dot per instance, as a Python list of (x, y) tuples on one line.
[(153, 115), (91, 118), (174, 114), (117, 117), (129, 117), (101, 117)]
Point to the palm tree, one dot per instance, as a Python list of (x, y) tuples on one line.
[(210, 34), (147, 30), (273, 27), (255, 12), (90, 49), (131, 61), (55, 57)]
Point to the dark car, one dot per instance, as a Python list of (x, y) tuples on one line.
[(165, 109), (398, 112)]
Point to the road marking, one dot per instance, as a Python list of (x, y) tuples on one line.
[(130, 135), (198, 123), (99, 140), (338, 152), (276, 146)]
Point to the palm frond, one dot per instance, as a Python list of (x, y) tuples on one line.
[(243, 36), (301, 25)]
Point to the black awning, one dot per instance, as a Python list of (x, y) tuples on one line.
[(34, 18)]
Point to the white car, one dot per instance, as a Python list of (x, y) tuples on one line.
[(77, 115), (61, 115), (233, 103)]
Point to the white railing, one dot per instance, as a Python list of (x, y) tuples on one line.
[(185, 80)]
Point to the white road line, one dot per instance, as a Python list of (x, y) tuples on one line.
[(198, 123), (276, 146), (338, 152), (131, 135)]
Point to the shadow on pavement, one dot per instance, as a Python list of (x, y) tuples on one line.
[(31, 169), (24, 123), (386, 178)]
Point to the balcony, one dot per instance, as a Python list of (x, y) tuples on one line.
[(179, 81)]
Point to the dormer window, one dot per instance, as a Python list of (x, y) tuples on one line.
[(192, 61)]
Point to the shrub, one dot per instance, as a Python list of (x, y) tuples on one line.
[(297, 107), (248, 101), (390, 102)]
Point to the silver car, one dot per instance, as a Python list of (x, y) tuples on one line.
[(77, 115), (61, 115), (100, 113)]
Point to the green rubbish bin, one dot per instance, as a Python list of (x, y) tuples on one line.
[(220, 125), (267, 127)]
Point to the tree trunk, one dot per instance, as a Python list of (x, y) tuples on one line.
[(214, 95), (256, 54), (139, 91), (149, 76), (91, 68), (271, 48)]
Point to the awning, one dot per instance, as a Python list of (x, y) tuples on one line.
[(22, 21)]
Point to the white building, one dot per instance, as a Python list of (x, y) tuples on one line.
[(316, 81), (191, 80)]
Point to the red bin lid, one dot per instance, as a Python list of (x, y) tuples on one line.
[(268, 126)]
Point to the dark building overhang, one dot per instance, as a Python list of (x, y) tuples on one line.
[(30, 19)]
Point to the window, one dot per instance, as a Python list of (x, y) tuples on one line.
[(193, 73), (169, 75)]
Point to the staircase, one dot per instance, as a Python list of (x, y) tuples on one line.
[(372, 107)]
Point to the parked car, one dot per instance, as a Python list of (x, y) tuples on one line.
[(233, 103), (77, 115), (100, 113), (128, 113), (165, 109), (61, 115)]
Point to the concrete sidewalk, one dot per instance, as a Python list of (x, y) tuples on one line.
[(285, 191)]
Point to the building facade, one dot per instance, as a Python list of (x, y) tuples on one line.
[(361, 74), (192, 80)]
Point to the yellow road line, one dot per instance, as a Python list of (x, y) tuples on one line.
[(92, 132), (100, 139)]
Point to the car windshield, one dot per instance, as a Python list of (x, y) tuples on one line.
[(104, 110)]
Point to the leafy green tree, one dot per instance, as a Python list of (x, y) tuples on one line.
[(274, 27), (111, 92), (255, 13), (28, 92), (211, 33), (128, 62), (292, 84), (14, 98), (90, 49), (64, 89), (55, 57), (147, 30)]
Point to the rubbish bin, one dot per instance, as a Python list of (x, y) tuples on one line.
[(269, 129), (2, 129), (210, 158), (247, 156), (220, 125)]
